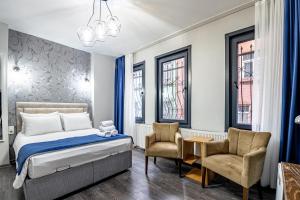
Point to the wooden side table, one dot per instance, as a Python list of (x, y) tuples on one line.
[(190, 158)]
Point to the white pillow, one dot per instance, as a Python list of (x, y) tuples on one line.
[(41, 124), (34, 115), (37, 114), (76, 121)]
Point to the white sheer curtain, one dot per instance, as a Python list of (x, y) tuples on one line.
[(129, 114), (267, 80)]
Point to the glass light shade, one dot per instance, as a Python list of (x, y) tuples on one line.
[(297, 120), (86, 35), (100, 30), (113, 25)]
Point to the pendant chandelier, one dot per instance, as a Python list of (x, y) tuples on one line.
[(99, 29)]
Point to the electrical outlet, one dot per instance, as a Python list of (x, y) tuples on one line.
[(11, 130)]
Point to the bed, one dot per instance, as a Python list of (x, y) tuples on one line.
[(54, 174)]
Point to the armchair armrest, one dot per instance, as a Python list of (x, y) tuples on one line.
[(178, 141), (253, 163), (149, 139), (215, 147)]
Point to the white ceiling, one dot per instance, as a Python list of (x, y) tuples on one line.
[(143, 21)]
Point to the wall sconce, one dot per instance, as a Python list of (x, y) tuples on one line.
[(16, 68), (297, 120), (86, 79)]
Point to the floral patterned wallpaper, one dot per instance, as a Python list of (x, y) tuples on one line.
[(49, 72)]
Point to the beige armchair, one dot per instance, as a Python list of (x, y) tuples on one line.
[(239, 158), (165, 141)]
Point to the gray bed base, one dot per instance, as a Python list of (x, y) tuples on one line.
[(72, 179)]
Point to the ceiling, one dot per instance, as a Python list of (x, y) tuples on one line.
[(143, 21)]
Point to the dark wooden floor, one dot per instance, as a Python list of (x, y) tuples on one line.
[(162, 183)]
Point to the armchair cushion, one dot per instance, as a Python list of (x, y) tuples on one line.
[(242, 142), (227, 165), (215, 147), (260, 140), (162, 149), (233, 138), (165, 132)]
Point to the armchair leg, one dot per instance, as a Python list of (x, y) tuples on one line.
[(203, 174), (245, 193), (258, 185), (179, 167), (146, 165), (154, 160)]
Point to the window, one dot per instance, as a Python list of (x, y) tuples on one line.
[(244, 115), (173, 87), (139, 91), (247, 67), (239, 81)]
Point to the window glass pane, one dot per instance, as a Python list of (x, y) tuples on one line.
[(138, 92), (173, 86), (245, 82)]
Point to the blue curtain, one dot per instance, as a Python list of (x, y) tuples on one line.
[(119, 94), (290, 132)]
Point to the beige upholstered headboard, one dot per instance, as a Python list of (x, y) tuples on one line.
[(45, 107)]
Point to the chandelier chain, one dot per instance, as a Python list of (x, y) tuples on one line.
[(108, 9), (100, 11), (93, 12)]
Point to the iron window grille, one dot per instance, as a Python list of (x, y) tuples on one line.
[(239, 78), (139, 91), (174, 87)]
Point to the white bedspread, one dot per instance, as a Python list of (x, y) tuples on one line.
[(22, 139)]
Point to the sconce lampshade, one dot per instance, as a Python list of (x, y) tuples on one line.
[(297, 119)]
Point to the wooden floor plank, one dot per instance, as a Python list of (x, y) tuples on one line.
[(162, 183)]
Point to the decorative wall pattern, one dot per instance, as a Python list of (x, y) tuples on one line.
[(49, 72)]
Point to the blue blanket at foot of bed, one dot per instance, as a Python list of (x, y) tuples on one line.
[(41, 147)]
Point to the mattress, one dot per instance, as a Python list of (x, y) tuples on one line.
[(48, 163)]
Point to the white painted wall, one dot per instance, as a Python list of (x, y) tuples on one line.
[(208, 69), (4, 142), (103, 69)]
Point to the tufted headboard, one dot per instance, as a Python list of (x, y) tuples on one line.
[(45, 107)]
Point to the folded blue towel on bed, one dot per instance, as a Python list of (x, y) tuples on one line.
[(41, 147)]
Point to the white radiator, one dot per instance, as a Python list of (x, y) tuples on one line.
[(141, 131), (145, 129)]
